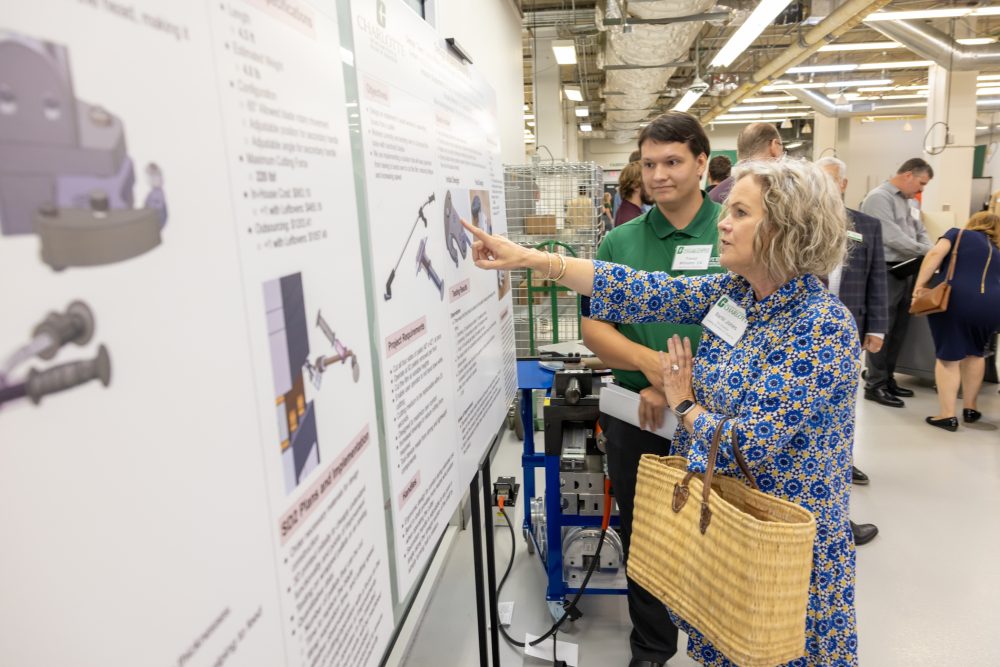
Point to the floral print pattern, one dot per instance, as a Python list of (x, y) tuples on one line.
[(788, 387)]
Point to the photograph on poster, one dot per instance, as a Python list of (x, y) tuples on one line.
[(65, 172), (482, 217), (455, 237), (76, 325)]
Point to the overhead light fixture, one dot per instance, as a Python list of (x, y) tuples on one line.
[(975, 41), (565, 51), (761, 107), (896, 64), (582, 112), (785, 124), (586, 127), (807, 128), (855, 67), (957, 12), (886, 89), (697, 89), (529, 116), (862, 46), (764, 116), (573, 93), (988, 77), (770, 98), (991, 101), (907, 127), (760, 18), (988, 91), (979, 127), (793, 145), (530, 123), (821, 69), (525, 107)]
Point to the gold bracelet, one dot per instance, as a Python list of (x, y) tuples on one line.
[(548, 266), (562, 270)]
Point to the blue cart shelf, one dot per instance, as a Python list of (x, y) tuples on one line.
[(532, 376)]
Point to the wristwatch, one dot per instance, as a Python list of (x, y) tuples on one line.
[(684, 407)]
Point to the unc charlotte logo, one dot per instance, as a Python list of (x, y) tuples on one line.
[(380, 12)]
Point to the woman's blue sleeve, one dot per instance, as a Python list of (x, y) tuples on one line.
[(625, 295)]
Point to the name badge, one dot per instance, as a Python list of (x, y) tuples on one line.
[(854, 236), (691, 257), (727, 320)]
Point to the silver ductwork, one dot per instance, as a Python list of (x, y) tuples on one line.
[(932, 44), (645, 48), (827, 107)]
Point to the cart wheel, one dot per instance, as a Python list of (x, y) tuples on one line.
[(556, 609), (527, 540), (518, 424)]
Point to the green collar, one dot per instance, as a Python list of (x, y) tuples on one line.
[(706, 216)]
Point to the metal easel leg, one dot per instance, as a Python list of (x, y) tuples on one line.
[(477, 559)]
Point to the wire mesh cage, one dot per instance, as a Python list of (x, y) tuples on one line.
[(556, 206)]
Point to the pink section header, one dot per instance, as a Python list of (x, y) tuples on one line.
[(290, 12), (409, 490), (400, 339), (456, 292)]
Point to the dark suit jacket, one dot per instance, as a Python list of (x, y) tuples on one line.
[(862, 283)]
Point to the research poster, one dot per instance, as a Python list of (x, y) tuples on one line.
[(431, 159), (189, 453)]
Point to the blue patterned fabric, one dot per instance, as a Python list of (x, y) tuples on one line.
[(788, 387)]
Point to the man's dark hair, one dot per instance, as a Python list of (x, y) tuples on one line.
[(754, 139), (719, 168), (917, 166), (678, 127)]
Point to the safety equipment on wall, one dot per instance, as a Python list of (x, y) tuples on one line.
[(65, 173)]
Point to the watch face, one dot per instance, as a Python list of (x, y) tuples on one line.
[(684, 406)]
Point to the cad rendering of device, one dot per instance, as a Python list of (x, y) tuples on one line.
[(420, 254), (424, 262), (341, 355), (455, 237), (484, 221), (288, 339), (65, 173), (75, 325)]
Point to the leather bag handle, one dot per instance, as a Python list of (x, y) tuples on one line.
[(681, 491), (954, 256)]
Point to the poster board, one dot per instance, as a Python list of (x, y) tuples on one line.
[(181, 200)]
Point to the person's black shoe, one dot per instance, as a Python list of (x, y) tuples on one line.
[(635, 662), (882, 396), (896, 390), (947, 423), (969, 415), (858, 477), (863, 532)]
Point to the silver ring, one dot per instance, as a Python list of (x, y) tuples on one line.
[(675, 368)]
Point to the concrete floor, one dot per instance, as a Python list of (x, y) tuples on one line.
[(928, 587)]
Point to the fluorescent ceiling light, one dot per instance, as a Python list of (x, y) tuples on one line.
[(765, 116), (565, 51), (582, 112), (852, 67), (862, 46), (988, 91), (875, 98), (525, 107), (886, 89), (573, 93), (586, 127), (761, 107), (529, 116), (992, 100), (794, 144), (933, 14), (988, 77), (531, 123), (820, 69), (975, 41), (696, 90), (785, 85), (982, 127), (760, 18), (897, 64), (770, 98)]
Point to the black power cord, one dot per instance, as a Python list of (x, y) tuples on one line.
[(570, 608)]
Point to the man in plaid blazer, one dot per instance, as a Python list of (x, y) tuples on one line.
[(861, 285)]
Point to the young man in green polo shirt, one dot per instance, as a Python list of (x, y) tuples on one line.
[(678, 235)]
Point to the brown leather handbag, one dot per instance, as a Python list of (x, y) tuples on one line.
[(935, 300)]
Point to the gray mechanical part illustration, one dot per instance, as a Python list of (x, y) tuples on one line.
[(316, 368), (479, 219), (65, 173), (420, 218), (76, 325), (455, 237), (424, 262)]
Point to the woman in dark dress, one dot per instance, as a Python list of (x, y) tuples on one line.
[(962, 332), (630, 189)]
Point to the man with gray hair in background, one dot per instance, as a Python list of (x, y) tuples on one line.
[(860, 285), (904, 237), (756, 141)]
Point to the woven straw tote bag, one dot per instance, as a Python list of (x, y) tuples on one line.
[(732, 561)]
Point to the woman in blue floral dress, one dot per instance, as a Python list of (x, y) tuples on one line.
[(779, 357)]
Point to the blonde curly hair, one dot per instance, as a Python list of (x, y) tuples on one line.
[(805, 224)]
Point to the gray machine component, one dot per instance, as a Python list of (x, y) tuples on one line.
[(424, 262), (455, 237), (343, 353), (68, 375), (579, 547), (539, 524), (64, 169)]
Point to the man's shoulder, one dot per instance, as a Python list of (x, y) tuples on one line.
[(862, 220)]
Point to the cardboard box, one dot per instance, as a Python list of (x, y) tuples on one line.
[(540, 224)]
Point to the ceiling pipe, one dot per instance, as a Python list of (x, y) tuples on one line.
[(842, 19), (932, 44), (828, 107)]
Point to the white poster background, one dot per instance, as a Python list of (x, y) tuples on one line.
[(142, 519), (429, 130)]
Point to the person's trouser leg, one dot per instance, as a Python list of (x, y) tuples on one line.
[(654, 636), (882, 364)]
